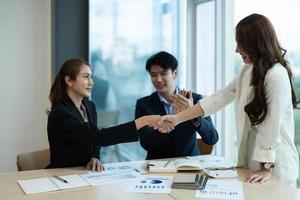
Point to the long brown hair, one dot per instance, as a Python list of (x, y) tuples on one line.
[(256, 36), (70, 68)]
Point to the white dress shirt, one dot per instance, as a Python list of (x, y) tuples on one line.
[(273, 139)]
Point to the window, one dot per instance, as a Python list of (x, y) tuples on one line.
[(205, 47), (123, 35), (209, 56)]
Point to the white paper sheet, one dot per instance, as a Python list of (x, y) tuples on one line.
[(110, 176), (37, 185), (226, 173), (151, 184), (212, 161), (222, 189), (138, 166), (49, 184), (74, 181)]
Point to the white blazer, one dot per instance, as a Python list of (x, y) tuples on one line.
[(273, 139)]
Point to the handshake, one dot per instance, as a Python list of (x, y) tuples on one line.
[(163, 124)]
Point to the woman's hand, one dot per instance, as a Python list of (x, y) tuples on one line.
[(153, 121), (260, 176), (167, 120), (95, 165)]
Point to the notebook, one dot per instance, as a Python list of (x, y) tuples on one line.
[(174, 165), (49, 184)]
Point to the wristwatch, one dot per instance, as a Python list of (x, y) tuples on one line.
[(268, 165)]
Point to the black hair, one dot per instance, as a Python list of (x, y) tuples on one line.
[(256, 36), (164, 59), (70, 68)]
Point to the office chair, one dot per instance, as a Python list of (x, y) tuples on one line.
[(33, 160), (204, 148)]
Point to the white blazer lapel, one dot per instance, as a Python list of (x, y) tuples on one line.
[(244, 95)]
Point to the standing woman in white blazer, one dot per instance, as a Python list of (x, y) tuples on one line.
[(264, 99)]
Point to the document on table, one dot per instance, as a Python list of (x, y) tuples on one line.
[(138, 166), (219, 173), (151, 184), (110, 176), (222, 189), (49, 184), (213, 162)]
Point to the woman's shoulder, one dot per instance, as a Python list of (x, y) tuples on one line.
[(277, 72), (58, 109), (65, 105)]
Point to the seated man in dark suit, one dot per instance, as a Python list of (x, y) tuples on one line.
[(182, 140)]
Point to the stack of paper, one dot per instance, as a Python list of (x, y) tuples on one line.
[(189, 181)]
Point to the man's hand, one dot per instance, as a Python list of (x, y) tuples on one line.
[(181, 101), (167, 120), (95, 165), (259, 176), (153, 121)]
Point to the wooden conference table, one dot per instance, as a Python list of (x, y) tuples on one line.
[(10, 190)]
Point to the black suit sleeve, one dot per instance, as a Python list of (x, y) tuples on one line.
[(73, 129), (150, 139), (96, 151), (206, 129)]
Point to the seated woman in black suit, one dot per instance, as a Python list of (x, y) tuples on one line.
[(73, 135)]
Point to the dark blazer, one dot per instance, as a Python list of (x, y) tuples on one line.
[(179, 142), (73, 142)]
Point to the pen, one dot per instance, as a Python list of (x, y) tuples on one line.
[(150, 165), (167, 163), (136, 170), (61, 179)]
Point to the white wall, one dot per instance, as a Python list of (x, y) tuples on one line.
[(25, 52)]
